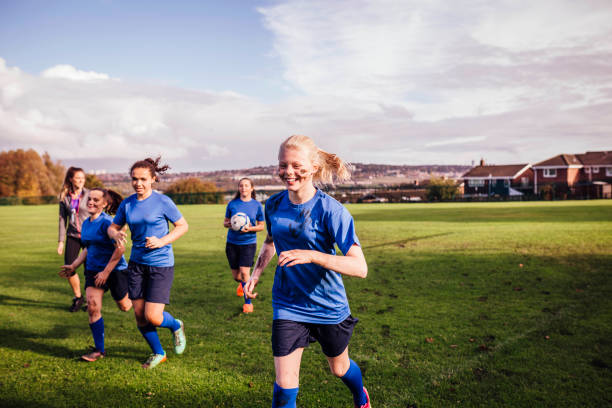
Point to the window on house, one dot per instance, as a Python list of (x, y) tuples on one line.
[(506, 183), (608, 171), (587, 170), (524, 181), (550, 172), (595, 170), (476, 183)]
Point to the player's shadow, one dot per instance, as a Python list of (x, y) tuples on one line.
[(18, 339), (406, 240), (24, 302)]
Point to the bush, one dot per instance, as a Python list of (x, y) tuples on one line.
[(441, 190)]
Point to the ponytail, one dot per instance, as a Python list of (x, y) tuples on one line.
[(153, 165), (112, 198), (331, 166)]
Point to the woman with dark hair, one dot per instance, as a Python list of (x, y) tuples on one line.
[(105, 266), (72, 213), (242, 244), (151, 266)]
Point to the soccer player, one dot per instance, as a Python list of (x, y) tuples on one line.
[(151, 265), (308, 296), (105, 266), (241, 245), (72, 213)]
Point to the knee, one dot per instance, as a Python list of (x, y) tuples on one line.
[(338, 369), (125, 306), (154, 318), (93, 307)]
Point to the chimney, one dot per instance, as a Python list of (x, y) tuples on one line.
[(482, 163)]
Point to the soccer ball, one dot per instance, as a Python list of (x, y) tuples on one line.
[(239, 221)]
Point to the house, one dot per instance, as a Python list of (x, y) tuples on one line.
[(586, 175), (502, 180)]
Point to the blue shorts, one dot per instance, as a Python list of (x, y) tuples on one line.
[(287, 336), (117, 282), (240, 255), (151, 283)]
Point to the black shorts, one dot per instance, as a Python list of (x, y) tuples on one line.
[(288, 336), (151, 283), (71, 252), (240, 255), (117, 282)]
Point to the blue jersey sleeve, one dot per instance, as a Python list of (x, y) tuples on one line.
[(171, 212), (227, 211), (120, 214), (260, 214), (341, 226)]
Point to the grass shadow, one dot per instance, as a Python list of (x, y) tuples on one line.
[(404, 241)]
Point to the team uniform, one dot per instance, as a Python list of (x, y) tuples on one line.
[(309, 301), (240, 247), (151, 271), (100, 249)]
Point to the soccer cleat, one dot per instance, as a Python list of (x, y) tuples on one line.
[(367, 404), (154, 360), (247, 308), (77, 302), (94, 355), (239, 291), (179, 339)]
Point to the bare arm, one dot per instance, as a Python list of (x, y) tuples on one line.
[(101, 277), (352, 264), (67, 271), (266, 253), (259, 227), (227, 223), (180, 228)]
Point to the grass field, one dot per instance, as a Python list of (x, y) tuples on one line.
[(477, 305)]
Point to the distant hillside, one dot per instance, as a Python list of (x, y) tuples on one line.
[(263, 176)]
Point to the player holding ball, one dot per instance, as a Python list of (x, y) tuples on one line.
[(243, 218), (308, 297)]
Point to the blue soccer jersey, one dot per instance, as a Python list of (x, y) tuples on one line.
[(148, 218), (99, 246), (308, 292), (254, 210)]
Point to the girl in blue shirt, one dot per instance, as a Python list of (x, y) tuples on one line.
[(241, 245), (151, 266), (308, 295), (105, 267)]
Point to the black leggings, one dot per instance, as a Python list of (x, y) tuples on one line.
[(73, 246)]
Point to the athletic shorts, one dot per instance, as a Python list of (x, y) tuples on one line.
[(151, 283), (71, 252), (240, 255), (117, 282), (288, 336)]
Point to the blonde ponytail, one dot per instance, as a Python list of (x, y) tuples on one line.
[(331, 167)]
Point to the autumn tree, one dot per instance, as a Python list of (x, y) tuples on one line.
[(92, 181), (191, 185), (23, 173), (441, 190)]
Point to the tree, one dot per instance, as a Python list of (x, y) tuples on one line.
[(441, 190), (191, 185), (92, 181), (23, 173)]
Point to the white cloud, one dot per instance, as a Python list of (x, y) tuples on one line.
[(69, 72)]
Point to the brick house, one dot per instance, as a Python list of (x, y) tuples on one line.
[(504, 180), (586, 175)]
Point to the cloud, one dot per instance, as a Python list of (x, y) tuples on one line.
[(69, 72), (376, 81)]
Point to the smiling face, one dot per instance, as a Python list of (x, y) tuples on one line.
[(78, 180), (96, 202), (295, 168), (142, 182), (245, 188)]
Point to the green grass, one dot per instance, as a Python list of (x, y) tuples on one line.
[(503, 335)]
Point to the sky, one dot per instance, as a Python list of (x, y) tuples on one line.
[(219, 85)]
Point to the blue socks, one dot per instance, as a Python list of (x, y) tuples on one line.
[(149, 332), (247, 301), (97, 331), (352, 379), (170, 322), (284, 397)]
